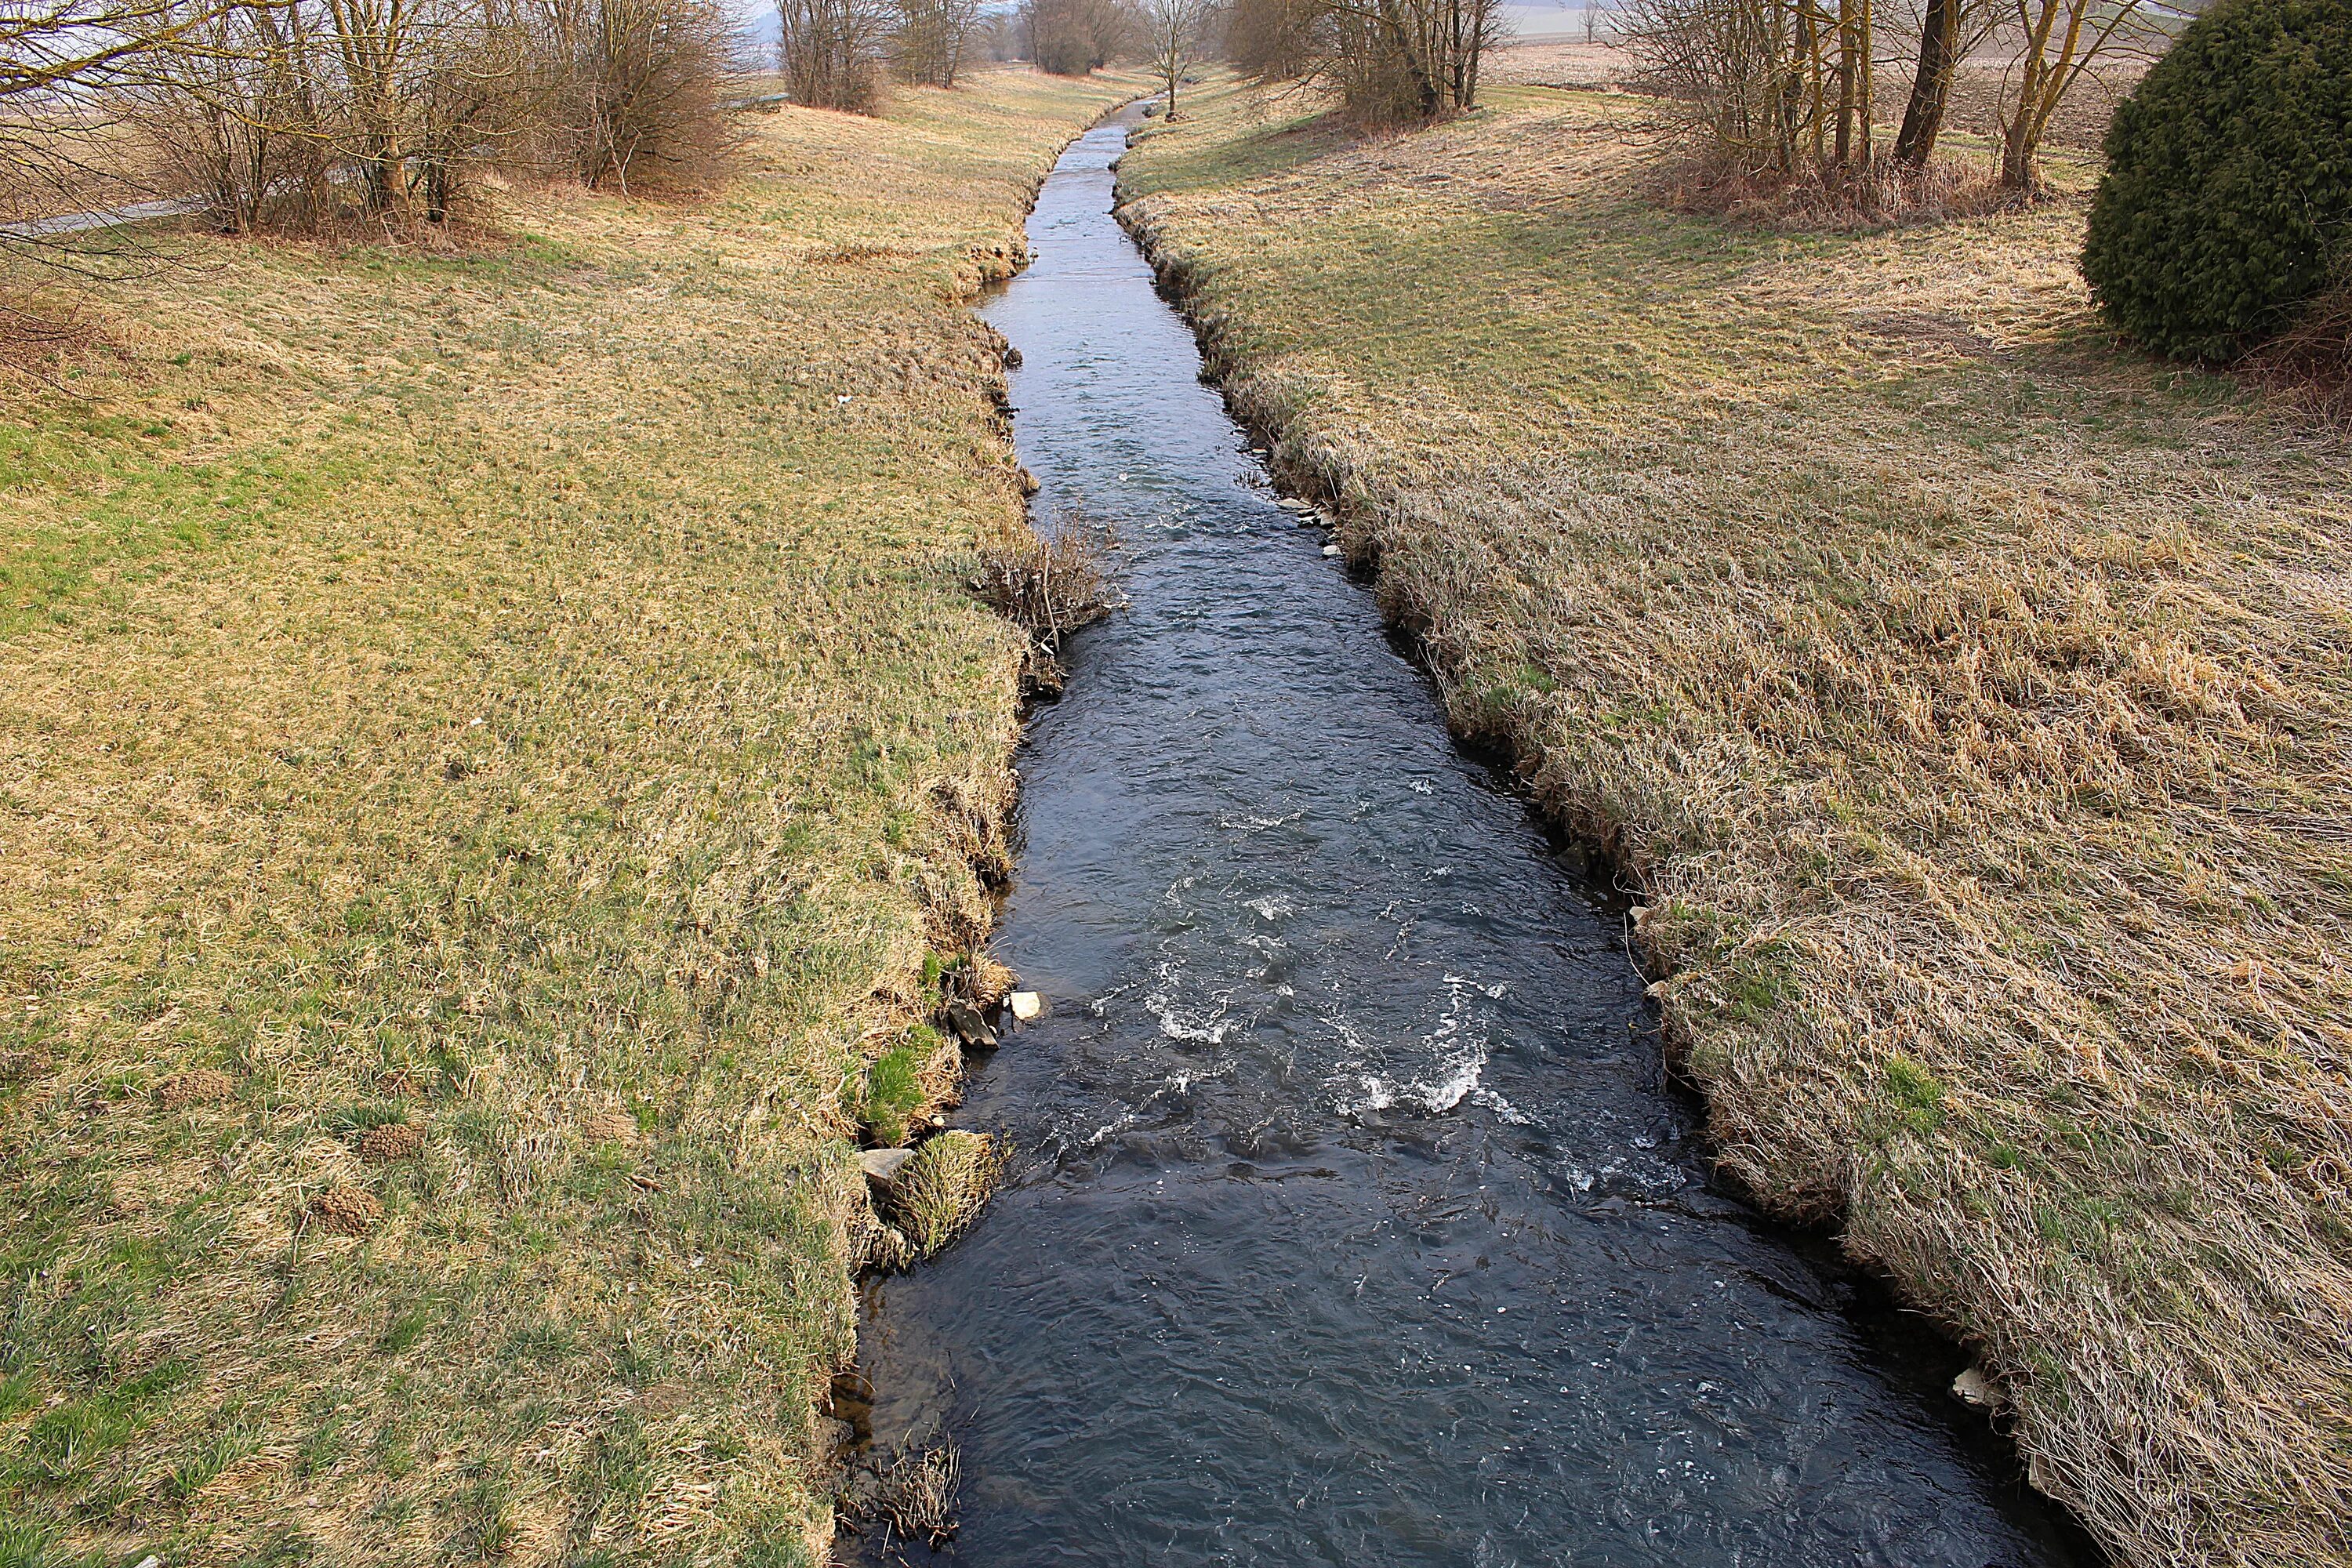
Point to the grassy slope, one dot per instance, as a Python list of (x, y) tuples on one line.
[(527, 696), (1973, 700)]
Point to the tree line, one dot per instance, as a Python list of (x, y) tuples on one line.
[(307, 115), (1790, 88), (1389, 61)]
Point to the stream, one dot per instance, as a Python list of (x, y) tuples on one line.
[(1352, 1220)]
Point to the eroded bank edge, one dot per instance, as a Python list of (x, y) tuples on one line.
[(923, 1189)]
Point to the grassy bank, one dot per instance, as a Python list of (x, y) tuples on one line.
[(490, 740), (1972, 701)]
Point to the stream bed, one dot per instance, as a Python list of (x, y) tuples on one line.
[(1351, 1219)]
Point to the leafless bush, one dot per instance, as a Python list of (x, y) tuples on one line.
[(318, 114), (1391, 61), (64, 66), (1071, 37), (234, 125), (932, 38), (1788, 89), (832, 51), (1048, 583), (636, 87), (997, 37), (35, 342), (2312, 361), (1776, 88), (378, 116), (2054, 43), (1272, 40)]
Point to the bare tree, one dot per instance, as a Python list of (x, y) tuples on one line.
[(1591, 24), (1174, 32), (49, 47), (1779, 88), (1071, 37), (2056, 42), (1273, 41), (633, 89), (1404, 59), (67, 68), (833, 51), (931, 40), (224, 116), (1940, 50)]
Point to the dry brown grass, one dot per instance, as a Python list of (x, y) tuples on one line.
[(1971, 700), (943, 1188), (916, 1495), (530, 697), (1049, 582), (2312, 361)]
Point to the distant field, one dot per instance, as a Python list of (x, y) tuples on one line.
[(490, 740), (1970, 698)]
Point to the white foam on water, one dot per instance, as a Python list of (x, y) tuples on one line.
[(1489, 1100), (1246, 824), (1193, 1025), (1461, 1051), (1272, 907)]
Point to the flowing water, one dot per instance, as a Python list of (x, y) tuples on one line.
[(1353, 1221)]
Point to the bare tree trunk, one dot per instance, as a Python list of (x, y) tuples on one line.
[(1848, 81), (1931, 89)]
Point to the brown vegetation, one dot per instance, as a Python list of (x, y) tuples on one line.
[(1790, 88), (1390, 61), (530, 696), (934, 40), (1071, 37), (1050, 581), (1968, 699), (2312, 361), (833, 52)]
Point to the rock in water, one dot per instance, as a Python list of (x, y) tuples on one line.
[(969, 1026), (1025, 1005)]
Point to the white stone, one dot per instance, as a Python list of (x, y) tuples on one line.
[(1973, 1388), (1025, 1005)]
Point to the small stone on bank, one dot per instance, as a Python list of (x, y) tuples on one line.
[(882, 1165), (969, 1026), (1330, 550), (1025, 1005), (1973, 1388), (1292, 503)]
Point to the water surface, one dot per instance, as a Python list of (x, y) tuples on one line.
[(1353, 1223)]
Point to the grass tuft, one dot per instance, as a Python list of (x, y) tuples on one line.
[(943, 1188)]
